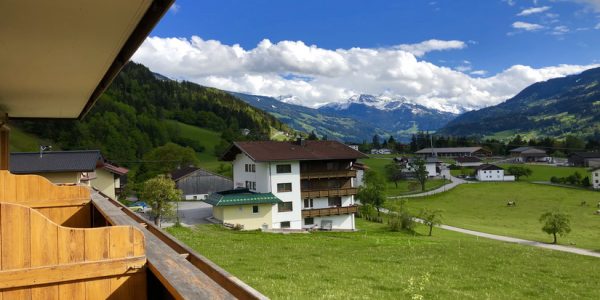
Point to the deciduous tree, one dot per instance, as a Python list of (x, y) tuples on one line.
[(519, 171), (431, 218), (372, 192), (393, 172), (556, 223), (418, 165), (160, 193)]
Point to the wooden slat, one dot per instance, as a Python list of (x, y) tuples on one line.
[(97, 247), (16, 244), (69, 272), (70, 250), (44, 244)]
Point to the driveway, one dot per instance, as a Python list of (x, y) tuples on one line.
[(190, 213), (454, 181)]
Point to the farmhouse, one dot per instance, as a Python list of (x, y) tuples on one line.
[(432, 165), (197, 183), (596, 178), (489, 172), (86, 167), (381, 151), (468, 161), (585, 159), (530, 154), (454, 152), (306, 184)]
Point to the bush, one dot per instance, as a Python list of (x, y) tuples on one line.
[(407, 221), (555, 179)]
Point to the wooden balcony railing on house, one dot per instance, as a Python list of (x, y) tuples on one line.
[(124, 257), (328, 174), (330, 211), (328, 192)]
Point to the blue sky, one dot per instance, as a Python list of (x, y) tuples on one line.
[(482, 39)]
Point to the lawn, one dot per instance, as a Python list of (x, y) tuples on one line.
[(544, 172), (377, 264), (482, 207), (21, 141), (378, 164)]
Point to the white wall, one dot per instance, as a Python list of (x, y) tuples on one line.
[(431, 171), (240, 176), (343, 222), (294, 216), (596, 179), (490, 175)]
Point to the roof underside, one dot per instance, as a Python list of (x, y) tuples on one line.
[(241, 197), (290, 151), (57, 57)]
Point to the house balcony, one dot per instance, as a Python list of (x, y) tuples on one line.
[(328, 174), (79, 240), (330, 211), (319, 193)]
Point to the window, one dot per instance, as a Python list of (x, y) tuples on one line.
[(255, 209), (251, 185), (308, 203), (334, 201), (284, 206), (284, 169), (254, 185), (284, 187), (250, 168), (285, 224), (309, 221), (246, 168), (253, 168)]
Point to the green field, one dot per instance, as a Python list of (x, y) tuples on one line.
[(482, 207), (377, 264), (544, 172), (207, 138), (21, 141), (377, 163)]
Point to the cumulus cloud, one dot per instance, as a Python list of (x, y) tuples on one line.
[(422, 48), (316, 76), (533, 10), (175, 8), (479, 72), (597, 26), (527, 26), (560, 30), (593, 4)]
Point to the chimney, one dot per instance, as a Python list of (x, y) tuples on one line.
[(300, 141)]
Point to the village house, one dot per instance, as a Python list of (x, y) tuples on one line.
[(585, 159), (468, 161), (381, 151), (595, 178), (289, 185), (489, 172), (530, 154), (432, 164), (196, 183), (83, 167), (454, 152)]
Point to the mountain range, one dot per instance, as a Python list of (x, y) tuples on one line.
[(356, 119), (556, 108)]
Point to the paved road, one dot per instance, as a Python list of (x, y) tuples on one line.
[(455, 181), (190, 213), (523, 242)]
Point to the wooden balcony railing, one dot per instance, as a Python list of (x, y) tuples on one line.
[(330, 211), (328, 192), (327, 174)]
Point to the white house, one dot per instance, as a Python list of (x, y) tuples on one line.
[(312, 182), (432, 165), (596, 178), (489, 172), (381, 151)]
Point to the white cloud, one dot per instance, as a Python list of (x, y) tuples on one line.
[(282, 68), (560, 30), (593, 4), (533, 10), (597, 26), (527, 26), (510, 2), (479, 72), (420, 49), (175, 8)]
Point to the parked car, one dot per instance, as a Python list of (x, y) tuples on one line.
[(139, 206)]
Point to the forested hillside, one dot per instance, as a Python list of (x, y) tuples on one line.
[(134, 116)]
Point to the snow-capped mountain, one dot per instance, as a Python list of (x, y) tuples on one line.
[(393, 114)]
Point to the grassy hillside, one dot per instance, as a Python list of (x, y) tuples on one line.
[(205, 137), (21, 141)]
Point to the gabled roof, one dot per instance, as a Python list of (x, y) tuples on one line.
[(468, 159), (241, 197), (115, 169), (182, 172), (55, 161), (488, 167), (528, 150), (263, 151), (449, 150)]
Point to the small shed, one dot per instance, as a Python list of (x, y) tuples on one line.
[(197, 183)]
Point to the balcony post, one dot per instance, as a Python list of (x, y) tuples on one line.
[(4, 142)]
